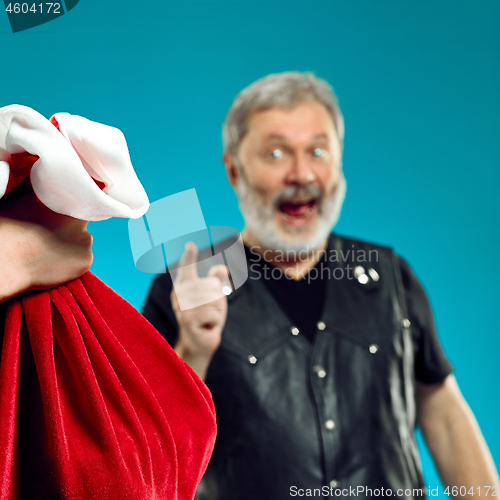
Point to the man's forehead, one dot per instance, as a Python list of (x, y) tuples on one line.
[(273, 137), (309, 120)]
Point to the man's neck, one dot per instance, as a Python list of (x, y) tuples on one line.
[(295, 264)]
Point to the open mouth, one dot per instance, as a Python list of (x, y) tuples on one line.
[(298, 212)]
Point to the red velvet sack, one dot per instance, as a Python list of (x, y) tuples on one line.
[(94, 404)]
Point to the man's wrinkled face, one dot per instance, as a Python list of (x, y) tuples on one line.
[(290, 185)]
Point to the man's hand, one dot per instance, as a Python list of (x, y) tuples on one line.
[(200, 327), (40, 248)]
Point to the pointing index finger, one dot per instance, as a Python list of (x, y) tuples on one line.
[(187, 265)]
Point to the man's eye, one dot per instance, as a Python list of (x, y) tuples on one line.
[(276, 154), (318, 152)]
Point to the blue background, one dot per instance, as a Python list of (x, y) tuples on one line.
[(418, 82)]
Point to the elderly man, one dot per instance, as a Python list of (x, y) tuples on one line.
[(323, 362)]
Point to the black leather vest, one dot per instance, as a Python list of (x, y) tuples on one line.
[(333, 415)]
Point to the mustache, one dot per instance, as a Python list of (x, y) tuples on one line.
[(296, 192)]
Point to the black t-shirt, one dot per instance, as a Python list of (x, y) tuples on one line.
[(302, 301)]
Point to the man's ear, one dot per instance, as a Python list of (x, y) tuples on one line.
[(231, 170)]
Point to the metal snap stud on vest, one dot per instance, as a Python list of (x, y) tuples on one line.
[(358, 271), (319, 371), (334, 484), (252, 359), (373, 274), (373, 348), (363, 279), (406, 323), (320, 325), (330, 424), (294, 330), (360, 275)]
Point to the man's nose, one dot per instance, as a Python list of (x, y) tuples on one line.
[(300, 171)]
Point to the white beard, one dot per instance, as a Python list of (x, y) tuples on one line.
[(259, 219)]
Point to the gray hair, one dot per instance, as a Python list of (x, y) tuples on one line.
[(284, 90)]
